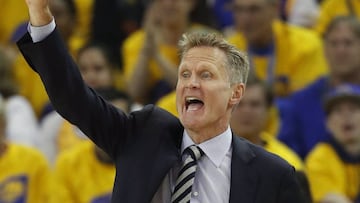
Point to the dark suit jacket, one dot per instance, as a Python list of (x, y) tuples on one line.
[(145, 144)]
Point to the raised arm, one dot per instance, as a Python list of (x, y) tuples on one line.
[(39, 12), (76, 102)]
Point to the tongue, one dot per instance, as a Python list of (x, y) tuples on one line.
[(194, 106)]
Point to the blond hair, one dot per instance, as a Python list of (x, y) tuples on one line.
[(236, 63)]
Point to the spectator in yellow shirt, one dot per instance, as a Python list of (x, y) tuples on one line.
[(285, 56), (334, 165), (24, 173)]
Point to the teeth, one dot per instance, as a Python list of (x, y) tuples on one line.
[(188, 99)]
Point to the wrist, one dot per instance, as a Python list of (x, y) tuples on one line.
[(40, 17)]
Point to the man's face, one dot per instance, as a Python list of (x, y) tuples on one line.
[(254, 18), (342, 49), (249, 117), (204, 96), (343, 122), (95, 69)]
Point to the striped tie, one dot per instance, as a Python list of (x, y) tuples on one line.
[(186, 176)]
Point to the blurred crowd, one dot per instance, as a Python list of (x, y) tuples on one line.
[(302, 100)]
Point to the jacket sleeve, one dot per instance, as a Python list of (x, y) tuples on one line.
[(291, 190), (101, 122)]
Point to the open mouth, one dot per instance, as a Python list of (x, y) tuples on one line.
[(193, 103)]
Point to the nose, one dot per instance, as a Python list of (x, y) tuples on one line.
[(193, 82)]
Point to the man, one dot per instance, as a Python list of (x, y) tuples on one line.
[(303, 124), (146, 145), (333, 165)]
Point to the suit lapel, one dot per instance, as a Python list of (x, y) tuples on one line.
[(165, 159), (243, 176)]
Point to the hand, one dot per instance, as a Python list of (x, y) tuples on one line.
[(152, 28), (39, 12)]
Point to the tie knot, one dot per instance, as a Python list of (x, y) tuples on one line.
[(194, 151)]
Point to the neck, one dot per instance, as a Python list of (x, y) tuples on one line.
[(262, 42), (204, 135), (255, 139)]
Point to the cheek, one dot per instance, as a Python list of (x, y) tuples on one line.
[(104, 75), (356, 117), (333, 123), (220, 102), (85, 75), (261, 115), (178, 98)]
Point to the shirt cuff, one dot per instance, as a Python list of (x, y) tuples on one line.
[(39, 33)]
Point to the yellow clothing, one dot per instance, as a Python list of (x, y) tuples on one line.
[(80, 177), (24, 175), (298, 58), (30, 85), (131, 51), (168, 102), (12, 14), (276, 147), (67, 137), (84, 16), (273, 122), (330, 9), (327, 173), (15, 12)]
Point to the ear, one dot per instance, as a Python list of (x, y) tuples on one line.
[(237, 93)]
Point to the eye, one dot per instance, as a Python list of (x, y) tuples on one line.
[(206, 75), (185, 74)]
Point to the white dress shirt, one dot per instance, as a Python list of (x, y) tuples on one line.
[(212, 178)]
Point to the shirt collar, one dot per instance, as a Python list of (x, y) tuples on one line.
[(215, 148)]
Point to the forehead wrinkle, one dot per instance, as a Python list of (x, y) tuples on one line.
[(212, 55)]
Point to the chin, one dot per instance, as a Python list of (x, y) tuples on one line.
[(189, 124)]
